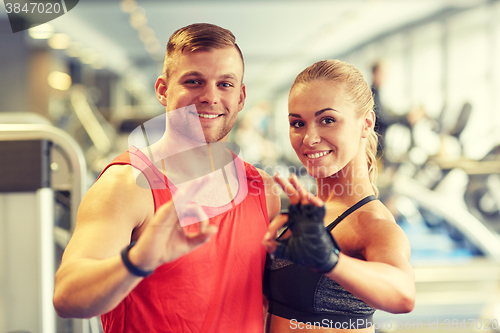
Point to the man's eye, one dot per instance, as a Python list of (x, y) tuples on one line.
[(192, 82), (226, 84)]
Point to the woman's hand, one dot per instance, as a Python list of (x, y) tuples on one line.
[(309, 244), (296, 194)]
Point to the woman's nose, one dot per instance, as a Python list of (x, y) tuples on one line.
[(312, 136)]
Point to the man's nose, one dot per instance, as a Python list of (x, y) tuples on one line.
[(209, 94)]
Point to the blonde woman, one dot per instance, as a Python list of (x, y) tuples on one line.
[(343, 255)]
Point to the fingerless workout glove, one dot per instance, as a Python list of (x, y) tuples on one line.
[(310, 244)]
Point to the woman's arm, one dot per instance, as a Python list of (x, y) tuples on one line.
[(385, 280)]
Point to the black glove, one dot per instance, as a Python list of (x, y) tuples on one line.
[(310, 244)]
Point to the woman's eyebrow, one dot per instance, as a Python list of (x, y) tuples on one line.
[(316, 114), (323, 110)]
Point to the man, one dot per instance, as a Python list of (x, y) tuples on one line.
[(386, 117), (207, 276)]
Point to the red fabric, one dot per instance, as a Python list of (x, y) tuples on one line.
[(215, 288)]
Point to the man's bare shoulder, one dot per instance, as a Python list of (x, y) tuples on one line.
[(265, 176), (119, 175), (109, 213), (117, 193)]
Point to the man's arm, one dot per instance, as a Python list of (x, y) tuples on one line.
[(92, 278)]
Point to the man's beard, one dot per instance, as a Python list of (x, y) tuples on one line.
[(221, 133), (187, 124)]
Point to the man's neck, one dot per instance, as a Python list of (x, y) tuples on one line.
[(182, 163)]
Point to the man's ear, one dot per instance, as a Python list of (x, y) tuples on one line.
[(243, 95), (161, 90), (368, 123)]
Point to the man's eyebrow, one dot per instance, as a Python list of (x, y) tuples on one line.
[(316, 114), (192, 73), (229, 76)]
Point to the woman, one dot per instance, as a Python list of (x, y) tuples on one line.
[(319, 282)]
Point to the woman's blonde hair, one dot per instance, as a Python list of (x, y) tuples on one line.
[(357, 89)]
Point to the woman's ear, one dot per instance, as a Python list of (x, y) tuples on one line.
[(161, 90), (368, 123)]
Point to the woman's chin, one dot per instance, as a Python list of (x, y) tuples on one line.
[(320, 172)]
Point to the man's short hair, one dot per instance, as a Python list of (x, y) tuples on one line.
[(197, 37)]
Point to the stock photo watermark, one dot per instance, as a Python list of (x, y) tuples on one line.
[(26, 14), (182, 154), (173, 145), (447, 324)]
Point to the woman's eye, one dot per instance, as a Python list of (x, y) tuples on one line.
[(327, 120), (296, 124)]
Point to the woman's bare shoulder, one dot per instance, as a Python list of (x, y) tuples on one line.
[(378, 230)]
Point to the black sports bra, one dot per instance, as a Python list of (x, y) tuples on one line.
[(297, 293)]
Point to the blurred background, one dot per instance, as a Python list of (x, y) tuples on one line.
[(72, 90)]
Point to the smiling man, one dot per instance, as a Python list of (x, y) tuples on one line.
[(133, 258)]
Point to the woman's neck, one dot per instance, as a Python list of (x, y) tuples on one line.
[(349, 185)]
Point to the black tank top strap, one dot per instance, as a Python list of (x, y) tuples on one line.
[(357, 205)]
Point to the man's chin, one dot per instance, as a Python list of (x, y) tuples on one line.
[(215, 137)]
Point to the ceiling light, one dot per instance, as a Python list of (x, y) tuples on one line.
[(127, 5), (98, 64), (138, 17), (74, 50), (59, 41), (153, 47), (88, 56), (43, 31), (59, 80), (146, 34)]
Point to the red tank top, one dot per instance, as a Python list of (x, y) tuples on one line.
[(215, 288)]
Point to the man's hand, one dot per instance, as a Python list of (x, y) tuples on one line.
[(164, 240)]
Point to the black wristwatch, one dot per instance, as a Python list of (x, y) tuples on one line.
[(130, 266)]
